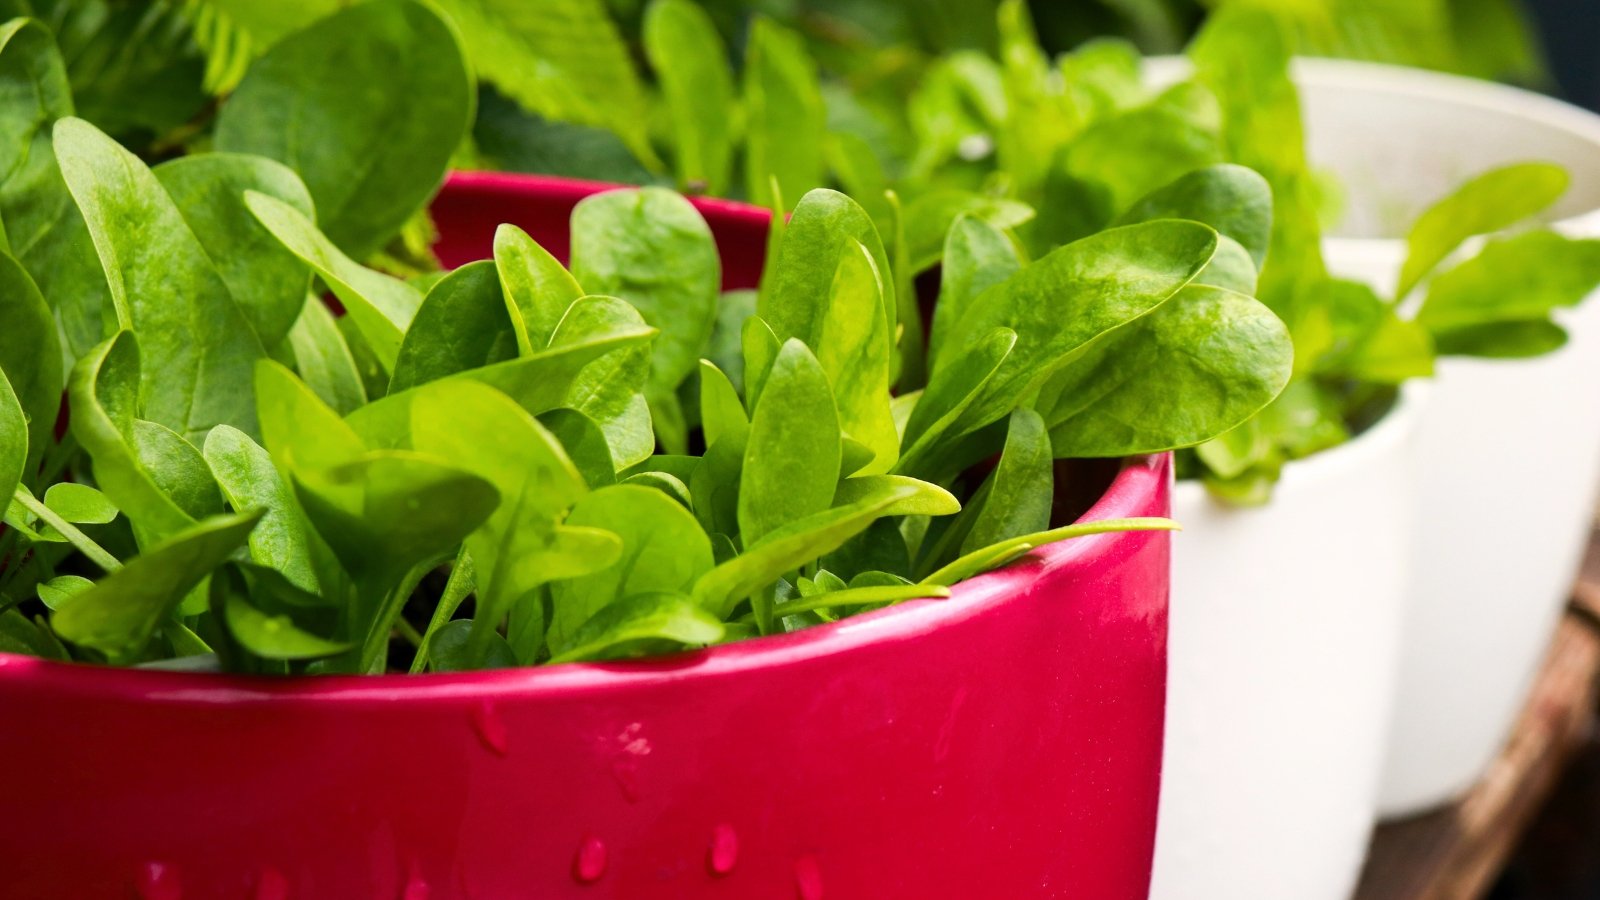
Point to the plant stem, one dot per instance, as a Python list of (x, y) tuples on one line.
[(456, 589), (93, 551), (56, 459), (762, 603), (372, 651), (408, 631)]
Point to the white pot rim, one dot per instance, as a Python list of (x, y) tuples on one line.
[(1427, 86), (1423, 86), (1358, 453)]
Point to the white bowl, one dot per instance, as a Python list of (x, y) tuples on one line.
[(1284, 626), (1510, 449)]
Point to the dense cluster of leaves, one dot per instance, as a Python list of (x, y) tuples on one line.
[(1053, 150), (521, 461)]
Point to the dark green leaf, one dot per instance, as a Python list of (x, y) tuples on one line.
[(462, 324), (120, 613), (249, 480), (663, 549), (266, 280), (642, 624), (366, 105), (380, 306), (163, 284), (1021, 489), (791, 461), (28, 357)]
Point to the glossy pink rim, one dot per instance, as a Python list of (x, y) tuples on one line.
[(576, 189), (1128, 495)]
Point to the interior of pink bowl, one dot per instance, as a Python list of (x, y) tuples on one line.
[(473, 204)]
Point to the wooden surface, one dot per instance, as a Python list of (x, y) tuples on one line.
[(1457, 852)]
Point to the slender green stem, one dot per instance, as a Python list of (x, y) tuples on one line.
[(184, 641), (855, 597), (377, 642), (460, 584), (56, 459), (93, 551), (8, 546), (408, 631), (762, 604), (986, 558)]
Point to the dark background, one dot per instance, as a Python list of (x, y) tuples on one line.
[(1570, 30)]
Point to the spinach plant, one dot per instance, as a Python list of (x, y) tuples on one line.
[(524, 461), (1056, 150)]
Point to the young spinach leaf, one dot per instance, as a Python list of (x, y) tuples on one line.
[(785, 115), (122, 611), (104, 393), (13, 440), (462, 324), (977, 256), (247, 477), (642, 624), (1197, 366), (384, 88), (537, 288), (1069, 298), (791, 459), (163, 284), (523, 543), (45, 230), (381, 306), (28, 359), (651, 248), (1493, 201), (323, 358), (662, 550), (1022, 487), (687, 55), (266, 280)]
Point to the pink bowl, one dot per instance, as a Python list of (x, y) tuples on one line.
[(1005, 742), (473, 204)]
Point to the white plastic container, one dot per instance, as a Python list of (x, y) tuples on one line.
[(1284, 628), (1510, 449)]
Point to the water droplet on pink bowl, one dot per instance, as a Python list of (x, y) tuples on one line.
[(724, 849), (271, 884), (415, 887), (158, 881), (490, 727), (807, 879), (590, 863)]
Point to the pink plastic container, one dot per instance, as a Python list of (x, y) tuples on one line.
[(1005, 742), (473, 204)]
